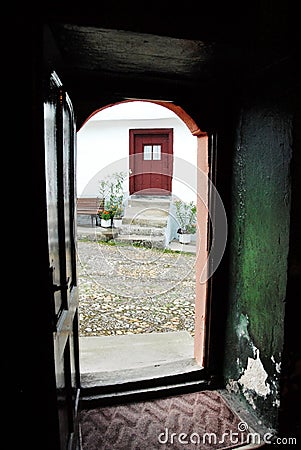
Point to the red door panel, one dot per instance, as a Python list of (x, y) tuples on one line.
[(151, 161)]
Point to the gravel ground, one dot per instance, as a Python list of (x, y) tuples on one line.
[(125, 289)]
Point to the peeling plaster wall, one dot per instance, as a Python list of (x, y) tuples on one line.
[(259, 241)]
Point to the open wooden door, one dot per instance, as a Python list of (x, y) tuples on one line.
[(59, 131)]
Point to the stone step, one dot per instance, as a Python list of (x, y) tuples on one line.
[(132, 211), (136, 229), (145, 221), (151, 203), (150, 216), (149, 241), (147, 211)]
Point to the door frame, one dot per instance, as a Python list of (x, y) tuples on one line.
[(202, 307)]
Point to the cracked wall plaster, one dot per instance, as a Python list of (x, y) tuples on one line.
[(254, 377)]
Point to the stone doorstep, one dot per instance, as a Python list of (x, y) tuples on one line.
[(146, 212), (145, 222), (126, 229), (134, 351), (150, 209), (150, 372), (150, 202), (149, 241)]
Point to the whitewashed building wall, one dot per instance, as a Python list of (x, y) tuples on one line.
[(103, 147)]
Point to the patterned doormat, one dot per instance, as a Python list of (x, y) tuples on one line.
[(201, 420)]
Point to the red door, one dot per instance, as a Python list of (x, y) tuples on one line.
[(151, 161)]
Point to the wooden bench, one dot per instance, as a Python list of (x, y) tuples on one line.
[(88, 206)]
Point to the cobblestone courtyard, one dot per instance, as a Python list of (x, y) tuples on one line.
[(125, 289)]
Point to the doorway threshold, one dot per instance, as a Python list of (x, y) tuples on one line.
[(121, 368), (133, 351), (132, 357)]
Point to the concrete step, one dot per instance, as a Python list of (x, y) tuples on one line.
[(144, 214), (148, 241), (143, 210), (136, 229), (136, 211), (134, 351), (144, 221), (150, 202), (113, 367)]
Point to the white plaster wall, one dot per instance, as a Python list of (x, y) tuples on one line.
[(103, 146)]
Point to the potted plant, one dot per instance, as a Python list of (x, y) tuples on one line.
[(117, 217), (186, 218), (106, 219), (112, 191)]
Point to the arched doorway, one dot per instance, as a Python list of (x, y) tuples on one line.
[(200, 167)]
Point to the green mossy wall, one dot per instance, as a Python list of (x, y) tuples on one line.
[(259, 239)]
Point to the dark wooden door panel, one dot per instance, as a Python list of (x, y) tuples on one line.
[(60, 192)]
